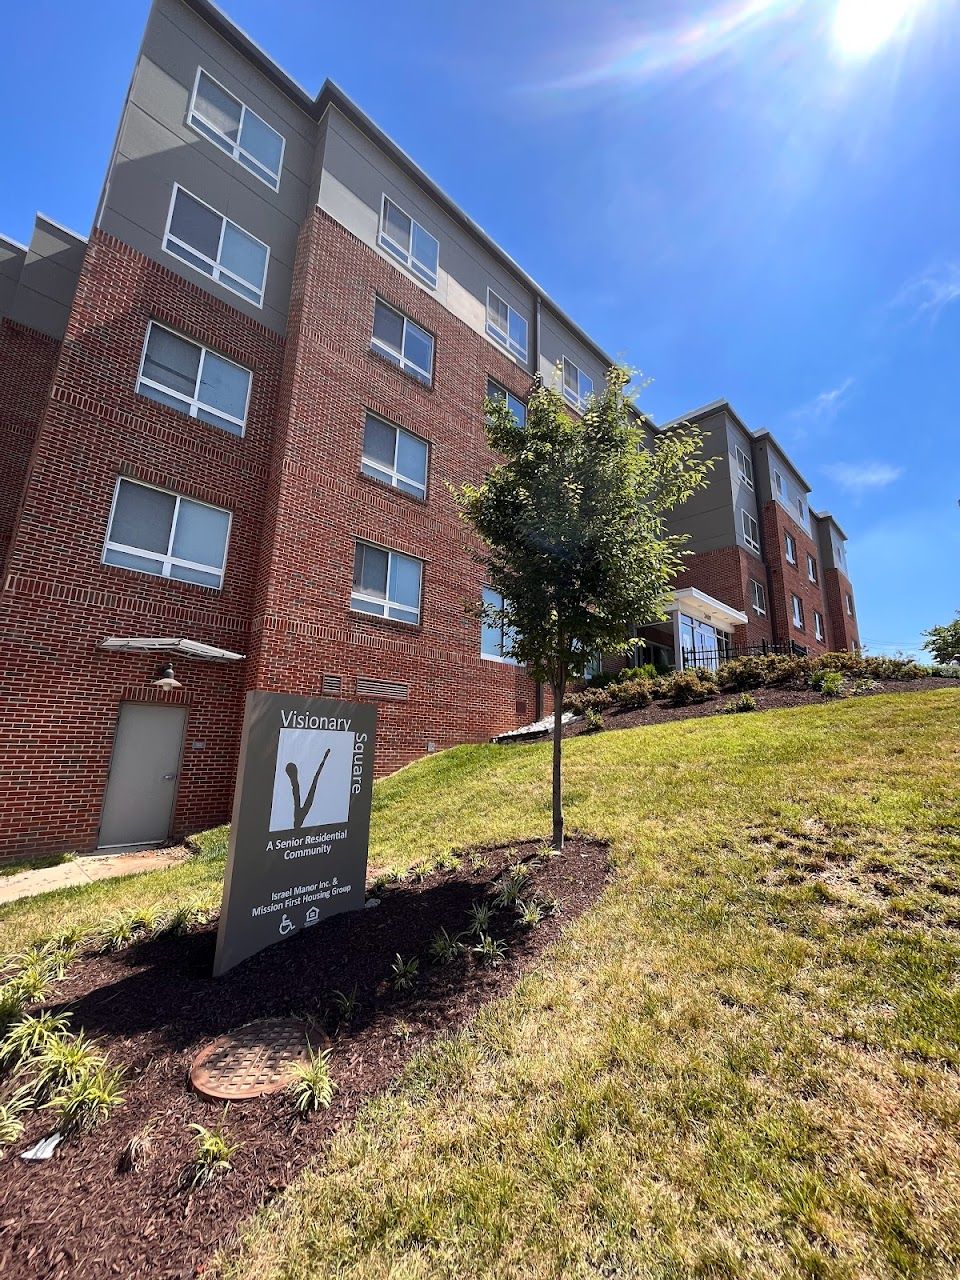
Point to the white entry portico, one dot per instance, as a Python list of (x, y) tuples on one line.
[(702, 628)]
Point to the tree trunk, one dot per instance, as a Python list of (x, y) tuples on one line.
[(558, 691)]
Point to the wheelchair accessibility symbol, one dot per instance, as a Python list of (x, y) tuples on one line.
[(286, 925)]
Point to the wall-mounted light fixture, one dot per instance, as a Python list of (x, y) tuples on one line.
[(167, 680)]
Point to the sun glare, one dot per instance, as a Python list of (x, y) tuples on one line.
[(862, 27)]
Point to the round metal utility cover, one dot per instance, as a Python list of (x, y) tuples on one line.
[(253, 1060)]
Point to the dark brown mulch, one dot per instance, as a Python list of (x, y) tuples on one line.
[(155, 1005), (767, 699)]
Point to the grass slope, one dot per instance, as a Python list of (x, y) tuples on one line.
[(742, 1063)]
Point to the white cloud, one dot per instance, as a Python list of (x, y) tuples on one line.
[(819, 412), (859, 477), (929, 293)]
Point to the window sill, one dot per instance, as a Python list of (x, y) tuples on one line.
[(159, 577), (392, 624), (382, 486), (503, 662), (420, 379), (180, 417)]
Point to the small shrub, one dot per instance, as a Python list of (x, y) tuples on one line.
[(445, 947), (136, 1150), (346, 1003), (313, 1087), (686, 687), (945, 671), (549, 904), (831, 684), (11, 1126), (489, 950), (631, 694), (862, 685), (580, 703), (594, 720), (33, 982), (13, 1003), (213, 1157), (119, 932), (744, 702), (27, 1038), (480, 917), (62, 1061), (88, 1099), (405, 973), (748, 672), (529, 913)]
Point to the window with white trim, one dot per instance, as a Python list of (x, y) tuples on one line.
[(408, 242), (386, 583), (790, 543), (577, 387), (751, 530), (404, 343), (759, 597), (230, 124), (812, 568), (818, 625), (778, 482), (193, 379), (496, 638), (506, 326), (211, 243), (797, 605), (394, 456), (744, 467), (516, 407), (155, 531), (801, 510), (849, 605)]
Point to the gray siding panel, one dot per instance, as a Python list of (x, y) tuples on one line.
[(47, 279), (557, 341)]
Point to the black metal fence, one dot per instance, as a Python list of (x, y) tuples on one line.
[(712, 658)]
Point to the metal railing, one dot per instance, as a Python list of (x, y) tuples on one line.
[(713, 658)]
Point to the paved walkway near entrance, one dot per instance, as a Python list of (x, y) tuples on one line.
[(84, 870)]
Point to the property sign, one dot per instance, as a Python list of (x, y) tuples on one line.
[(301, 820)]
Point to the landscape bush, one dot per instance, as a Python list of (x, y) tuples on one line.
[(753, 671), (686, 687), (831, 684), (630, 694), (745, 702)]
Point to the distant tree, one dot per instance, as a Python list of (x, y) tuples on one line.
[(944, 642), (575, 541)]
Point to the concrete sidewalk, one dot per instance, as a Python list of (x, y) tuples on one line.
[(85, 870)]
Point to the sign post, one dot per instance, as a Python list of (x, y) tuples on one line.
[(301, 820)]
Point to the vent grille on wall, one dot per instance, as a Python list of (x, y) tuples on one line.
[(332, 686), (370, 688)]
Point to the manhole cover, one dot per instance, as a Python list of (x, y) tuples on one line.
[(252, 1060)]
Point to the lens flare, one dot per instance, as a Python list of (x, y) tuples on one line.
[(862, 27)]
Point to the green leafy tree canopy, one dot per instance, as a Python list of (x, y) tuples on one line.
[(944, 642), (573, 522)]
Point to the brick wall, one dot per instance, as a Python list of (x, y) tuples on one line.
[(27, 361), (787, 579), (725, 574), (843, 629)]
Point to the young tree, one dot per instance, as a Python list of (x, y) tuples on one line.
[(575, 541), (944, 642)]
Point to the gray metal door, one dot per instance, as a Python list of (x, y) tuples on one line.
[(143, 775)]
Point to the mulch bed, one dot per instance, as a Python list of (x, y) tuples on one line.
[(155, 1005), (767, 699)]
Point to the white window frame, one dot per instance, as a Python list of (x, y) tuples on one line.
[(234, 149), (812, 570), (503, 339), (790, 541), (800, 508), (220, 275), (744, 467), (849, 604), (405, 257), (386, 603), (507, 396), (818, 625), (778, 483), (496, 657), (398, 357), (194, 403), (580, 399), (390, 475), (752, 542), (759, 597), (168, 560), (796, 605)]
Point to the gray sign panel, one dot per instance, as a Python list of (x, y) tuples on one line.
[(301, 820)]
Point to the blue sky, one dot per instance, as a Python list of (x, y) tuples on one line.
[(751, 199)]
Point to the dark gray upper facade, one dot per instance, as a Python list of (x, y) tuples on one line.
[(38, 280)]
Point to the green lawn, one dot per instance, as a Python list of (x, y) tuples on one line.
[(743, 1062)]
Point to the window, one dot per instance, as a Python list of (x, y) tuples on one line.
[(211, 243), (818, 625), (759, 597), (505, 326), (791, 545), (234, 128), (811, 568), (751, 530), (778, 481), (407, 241), (394, 456), (516, 407), (801, 510), (386, 583), (404, 343), (797, 611), (745, 467), (849, 604), (577, 387), (154, 531), (495, 637), (193, 379)]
